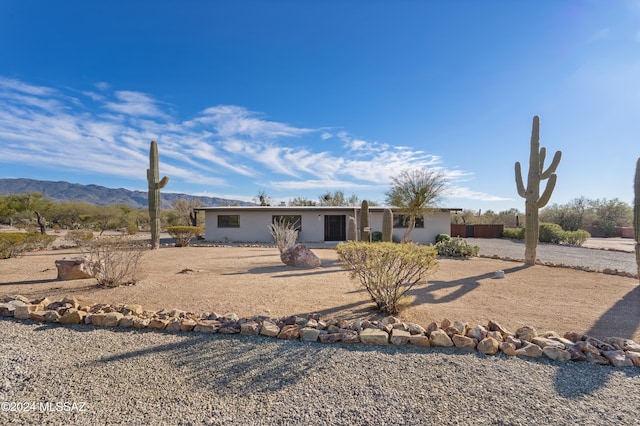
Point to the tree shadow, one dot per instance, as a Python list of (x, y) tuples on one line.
[(226, 364), (625, 314), (457, 288)]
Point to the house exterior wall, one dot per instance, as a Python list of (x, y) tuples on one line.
[(254, 224)]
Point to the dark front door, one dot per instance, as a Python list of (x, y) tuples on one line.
[(335, 228)]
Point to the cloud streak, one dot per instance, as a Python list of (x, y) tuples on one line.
[(108, 131)]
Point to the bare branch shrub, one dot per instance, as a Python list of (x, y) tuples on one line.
[(115, 260), (387, 270), (284, 233)]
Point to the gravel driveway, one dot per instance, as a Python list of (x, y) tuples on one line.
[(593, 259), (144, 377)]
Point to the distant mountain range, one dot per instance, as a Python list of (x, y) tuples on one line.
[(101, 195)]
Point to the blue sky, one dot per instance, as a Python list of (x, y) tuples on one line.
[(296, 98)]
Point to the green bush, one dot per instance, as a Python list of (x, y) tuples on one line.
[(513, 233), (442, 237), (376, 236), (551, 233), (456, 247), (79, 238), (12, 244), (576, 238), (182, 235), (387, 270)]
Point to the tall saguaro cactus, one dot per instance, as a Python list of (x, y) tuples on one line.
[(365, 232), (636, 213), (533, 200), (387, 225), (155, 184)]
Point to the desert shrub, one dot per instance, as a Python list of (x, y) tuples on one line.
[(442, 237), (284, 233), (132, 229), (387, 270), (115, 260), (182, 235), (551, 233), (513, 233), (576, 238), (12, 244), (79, 238), (456, 247)]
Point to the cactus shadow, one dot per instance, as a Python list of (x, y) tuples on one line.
[(456, 289)]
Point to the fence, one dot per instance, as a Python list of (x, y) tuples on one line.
[(477, 231)]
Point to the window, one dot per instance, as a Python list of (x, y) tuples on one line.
[(228, 221), (402, 221), (294, 219)]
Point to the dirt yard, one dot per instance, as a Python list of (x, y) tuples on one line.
[(252, 281)]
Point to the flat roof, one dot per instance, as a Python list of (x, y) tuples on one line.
[(310, 208)]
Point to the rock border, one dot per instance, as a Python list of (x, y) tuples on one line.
[(488, 340)]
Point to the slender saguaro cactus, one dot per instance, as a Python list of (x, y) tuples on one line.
[(365, 235), (153, 177), (636, 213), (533, 200), (352, 229), (387, 225)]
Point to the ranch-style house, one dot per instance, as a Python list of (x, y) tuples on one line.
[(315, 223)]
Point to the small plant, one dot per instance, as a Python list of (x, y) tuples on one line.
[(12, 244), (456, 247), (182, 235), (551, 233), (575, 238), (442, 237), (513, 233), (79, 238), (387, 270), (284, 233), (115, 261), (376, 236)]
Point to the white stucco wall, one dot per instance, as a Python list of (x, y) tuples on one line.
[(254, 224)]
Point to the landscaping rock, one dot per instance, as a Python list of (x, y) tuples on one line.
[(618, 358), (372, 336), (289, 332), (526, 333), (72, 316), (308, 334), (269, 329), (464, 342), (187, 324), (249, 328), (76, 268), (488, 346), (399, 337), (478, 333), (330, 337), (300, 256), (230, 327), (556, 353), (207, 326), (419, 340), (440, 338)]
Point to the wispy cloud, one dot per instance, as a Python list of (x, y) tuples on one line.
[(108, 132)]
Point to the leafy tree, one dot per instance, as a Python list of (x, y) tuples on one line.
[(415, 193), (337, 198), (298, 201), (182, 213), (262, 198), (611, 214)]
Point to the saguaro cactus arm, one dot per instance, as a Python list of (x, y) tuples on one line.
[(546, 195), (519, 183), (552, 167)]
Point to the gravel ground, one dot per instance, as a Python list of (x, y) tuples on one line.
[(145, 377), (594, 259)]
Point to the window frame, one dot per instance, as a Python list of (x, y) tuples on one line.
[(227, 224)]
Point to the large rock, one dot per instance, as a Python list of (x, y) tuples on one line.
[(440, 338), (373, 336), (399, 337), (464, 342), (269, 329), (556, 353), (527, 333), (488, 346), (618, 358), (72, 316), (300, 256), (75, 268), (308, 334)]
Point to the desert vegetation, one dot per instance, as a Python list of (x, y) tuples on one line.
[(387, 270)]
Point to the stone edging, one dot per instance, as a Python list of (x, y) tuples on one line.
[(489, 340), (607, 271)]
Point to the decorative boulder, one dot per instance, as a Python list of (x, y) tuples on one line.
[(76, 268), (300, 256)]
